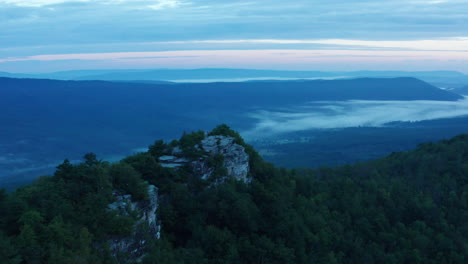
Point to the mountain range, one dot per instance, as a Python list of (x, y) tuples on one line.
[(451, 79), (403, 88)]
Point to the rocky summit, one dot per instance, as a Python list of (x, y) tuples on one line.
[(218, 158), (234, 158)]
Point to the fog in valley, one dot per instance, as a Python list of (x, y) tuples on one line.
[(353, 113)]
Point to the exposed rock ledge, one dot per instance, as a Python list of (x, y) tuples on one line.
[(236, 160), (133, 248)]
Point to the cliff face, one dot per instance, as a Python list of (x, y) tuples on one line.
[(133, 248)]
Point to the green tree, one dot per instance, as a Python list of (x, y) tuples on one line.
[(126, 179)]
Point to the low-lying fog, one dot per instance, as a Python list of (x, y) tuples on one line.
[(256, 79), (355, 113)]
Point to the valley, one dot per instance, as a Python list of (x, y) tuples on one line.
[(309, 123)]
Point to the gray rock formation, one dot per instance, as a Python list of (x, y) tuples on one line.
[(236, 160), (172, 161), (133, 248)]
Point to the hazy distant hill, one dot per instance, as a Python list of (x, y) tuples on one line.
[(266, 93), (462, 90), (17, 75), (175, 74), (451, 79), (204, 74)]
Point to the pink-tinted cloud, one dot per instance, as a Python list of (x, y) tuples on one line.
[(279, 55), (447, 44)]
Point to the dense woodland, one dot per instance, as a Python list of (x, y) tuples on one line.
[(408, 207)]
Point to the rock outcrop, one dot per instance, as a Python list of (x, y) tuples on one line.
[(133, 248), (172, 161), (235, 159)]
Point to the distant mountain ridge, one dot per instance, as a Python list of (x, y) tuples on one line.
[(439, 78), (403, 88)]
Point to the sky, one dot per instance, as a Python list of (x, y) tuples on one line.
[(332, 35)]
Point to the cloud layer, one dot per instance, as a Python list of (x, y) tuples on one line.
[(44, 27), (324, 59), (344, 114)]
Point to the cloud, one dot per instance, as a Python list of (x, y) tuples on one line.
[(449, 44), (163, 4), (152, 4), (99, 26), (437, 2), (37, 3), (343, 114), (287, 59), (285, 55)]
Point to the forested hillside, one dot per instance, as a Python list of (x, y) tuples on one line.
[(462, 90), (289, 92), (408, 207)]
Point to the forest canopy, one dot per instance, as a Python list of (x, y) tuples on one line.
[(409, 207)]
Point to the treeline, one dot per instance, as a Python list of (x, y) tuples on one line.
[(406, 208)]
